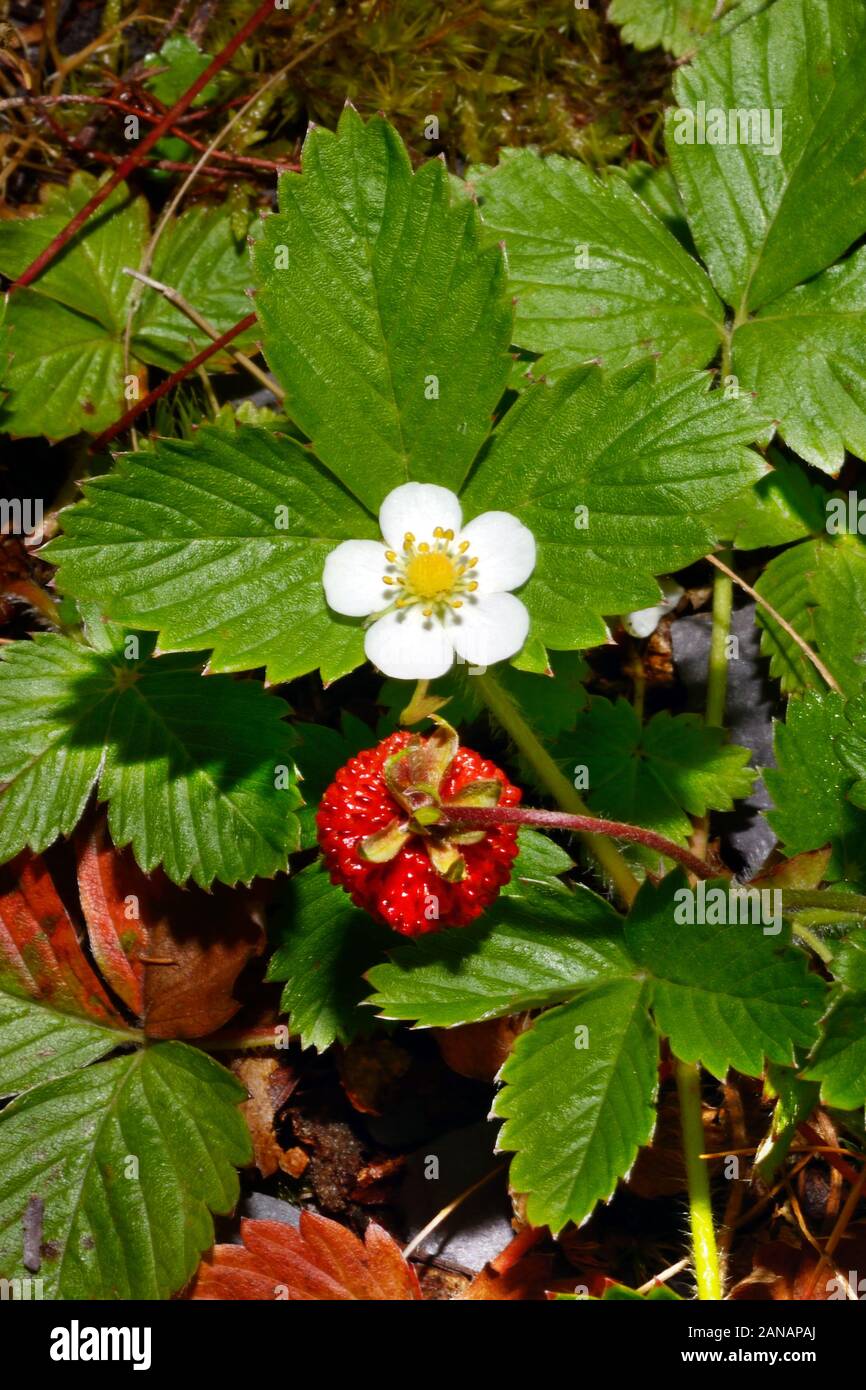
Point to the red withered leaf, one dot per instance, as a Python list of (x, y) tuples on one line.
[(40, 954), (321, 1261), (173, 955), (109, 886)]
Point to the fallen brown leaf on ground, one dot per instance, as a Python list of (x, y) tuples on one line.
[(320, 1261)]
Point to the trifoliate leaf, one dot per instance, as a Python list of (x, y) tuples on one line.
[(616, 476), (578, 1101), (324, 945), (839, 1060), (593, 270), (726, 994), (783, 199), (528, 950), (220, 542), (804, 358), (783, 506), (810, 786), (198, 780), (657, 774), (820, 588), (676, 25), (129, 1158), (383, 318)]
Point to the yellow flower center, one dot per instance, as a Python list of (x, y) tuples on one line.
[(431, 574), (439, 576)]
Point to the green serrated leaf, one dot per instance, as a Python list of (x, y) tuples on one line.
[(594, 271), (676, 25), (199, 255), (782, 506), (809, 787), (38, 1044), (804, 359), (819, 587), (324, 945), (540, 861), (578, 1101), (130, 1158), (727, 995), (795, 1101), (527, 951), (839, 1059), (658, 774), (770, 213), (189, 770), (383, 318), (63, 345), (649, 461), (219, 542)]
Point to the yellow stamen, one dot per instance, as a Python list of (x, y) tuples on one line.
[(390, 556), (473, 586)]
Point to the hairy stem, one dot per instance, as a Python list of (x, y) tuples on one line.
[(510, 719), (591, 827), (704, 1250)]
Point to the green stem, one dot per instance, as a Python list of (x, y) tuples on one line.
[(814, 943), (717, 675), (704, 1251), (852, 903), (553, 779)]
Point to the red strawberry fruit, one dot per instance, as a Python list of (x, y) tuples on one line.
[(379, 831)]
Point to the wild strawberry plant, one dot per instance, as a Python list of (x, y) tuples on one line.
[(509, 409)]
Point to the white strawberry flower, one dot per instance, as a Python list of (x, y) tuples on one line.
[(434, 587)]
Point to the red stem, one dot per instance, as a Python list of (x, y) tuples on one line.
[(478, 817), (116, 104), (182, 372), (225, 56)]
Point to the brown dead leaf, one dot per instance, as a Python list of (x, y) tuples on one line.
[(370, 1072), (269, 1085), (322, 1262), (480, 1050), (783, 1272)]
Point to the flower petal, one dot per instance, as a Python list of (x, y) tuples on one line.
[(353, 579), (490, 629), (505, 550), (644, 621), (418, 508), (406, 645)]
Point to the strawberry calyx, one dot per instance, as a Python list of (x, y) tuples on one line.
[(413, 777)]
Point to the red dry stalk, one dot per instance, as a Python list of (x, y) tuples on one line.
[(132, 160), (180, 375)]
